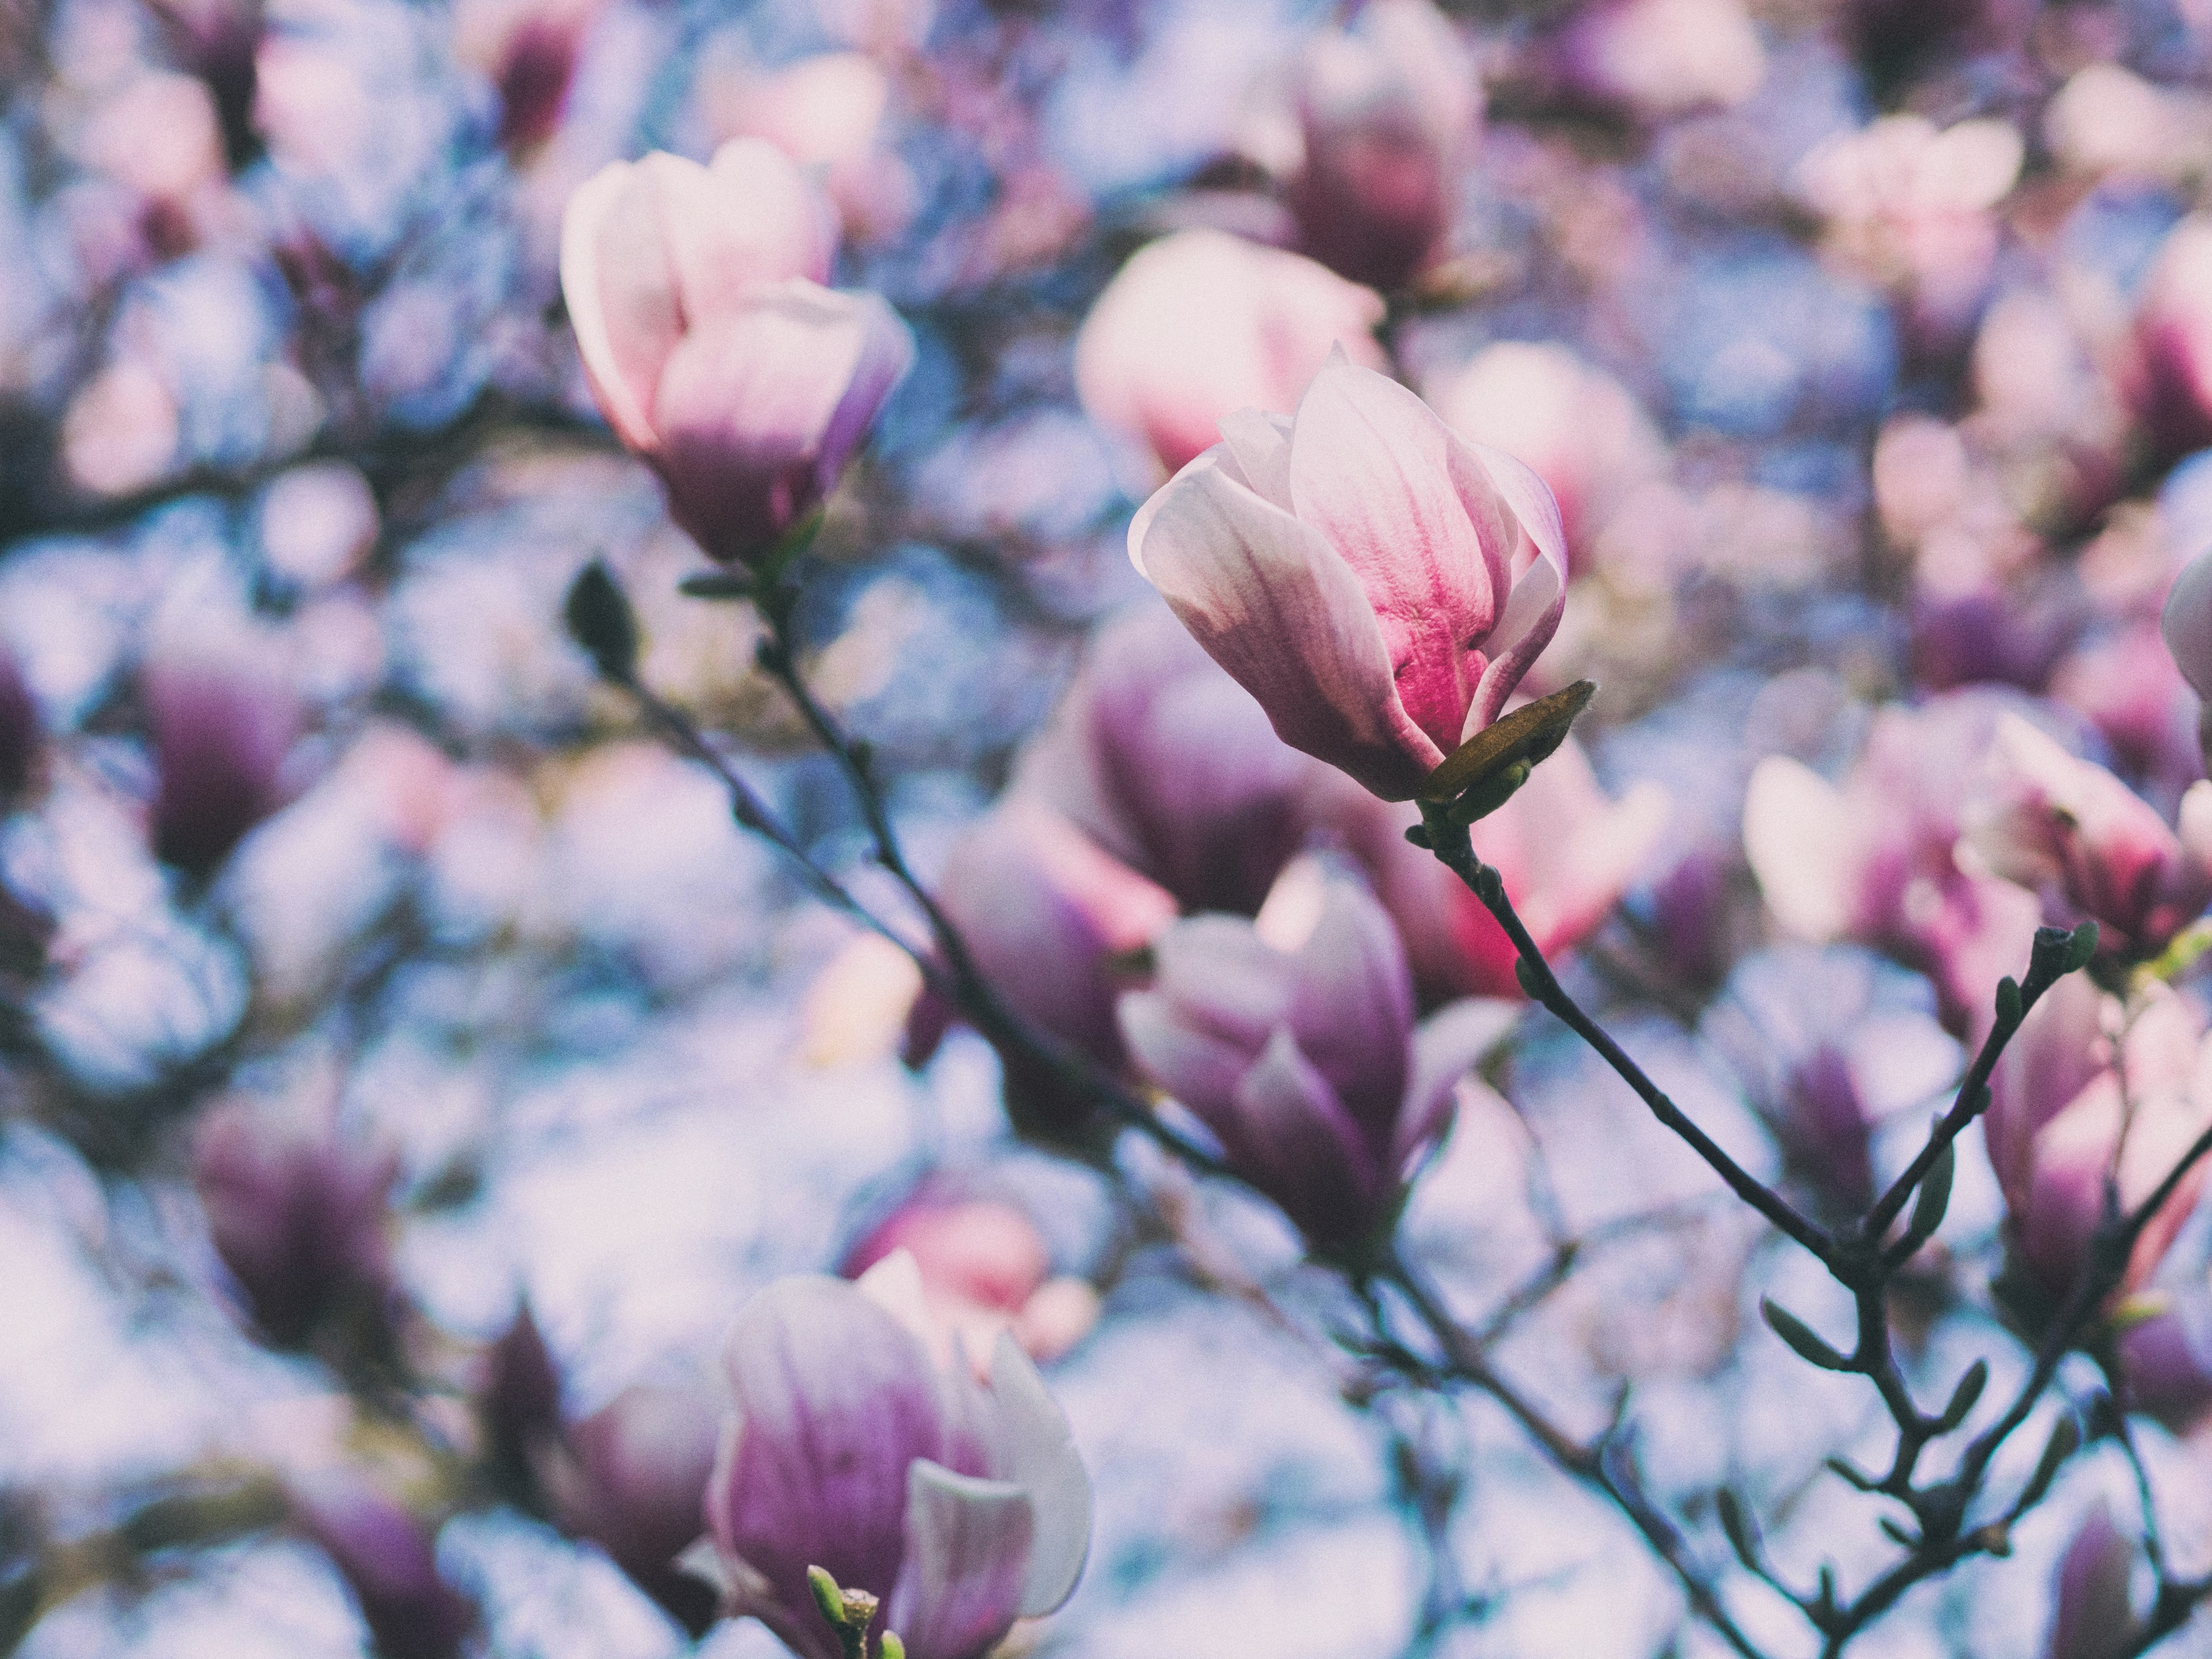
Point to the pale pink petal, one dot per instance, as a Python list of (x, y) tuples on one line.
[(2186, 622), (1199, 1067), (620, 287), (748, 216), (1416, 519), (1539, 598), (1352, 1010), (1447, 1045), (1798, 834), (1276, 607), (967, 1546), (1039, 1456)]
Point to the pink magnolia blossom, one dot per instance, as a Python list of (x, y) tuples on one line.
[(1377, 583), (1292, 1039), (712, 350), (2054, 822), (1874, 859), (1046, 915), (298, 1215), (2186, 624), (632, 1478), (827, 113), (387, 1560), (2166, 1357), (2059, 1101), (2094, 1614), (2169, 376), (960, 1503), (1656, 59), (223, 723), (984, 1269), (1582, 431), (1201, 324), (1567, 853), (1389, 111)]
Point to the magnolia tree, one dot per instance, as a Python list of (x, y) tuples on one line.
[(903, 829)]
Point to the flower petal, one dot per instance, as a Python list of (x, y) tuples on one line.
[(1798, 836), (620, 286), (1284, 614), (969, 1545), (1447, 1045), (1292, 1137), (1353, 1009), (1040, 1457), (1414, 514)]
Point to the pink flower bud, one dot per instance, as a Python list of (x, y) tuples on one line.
[(2046, 820), (2058, 1106), (2169, 379), (1045, 914), (1201, 324), (1874, 859), (984, 1269), (1300, 1053), (827, 112), (1580, 430), (712, 350), (634, 1483), (222, 728), (2095, 1614), (2186, 624), (1168, 764), (2167, 1357), (1389, 110), (299, 1217), (387, 1561), (1655, 58), (1379, 584), (960, 1503)]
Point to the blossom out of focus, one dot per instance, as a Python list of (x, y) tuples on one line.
[(417, 1049), (1377, 584), (958, 1503)]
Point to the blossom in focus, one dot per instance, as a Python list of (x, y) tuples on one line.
[(712, 349), (984, 1269), (960, 1503), (1377, 583), (1388, 111), (1201, 324), (2187, 624), (2046, 819), (388, 1561), (1048, 916), (632, 1478), (1567, 853), (2093, 1615), (1292, 1039), (2060, 1097), (1874, 859), (299, 1216), (223, 723)]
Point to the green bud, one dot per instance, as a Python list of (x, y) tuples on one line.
[(1801, 1337), (2009, 1011), (827, 1598), (599, 619), (1964, 1396), (1934, 1198)]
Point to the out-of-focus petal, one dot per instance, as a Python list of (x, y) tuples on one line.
[(969, 1543), (1797, 834)]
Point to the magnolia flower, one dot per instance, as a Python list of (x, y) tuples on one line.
[(299, 1216), (711, 348), (2060, 1099), (960, 1503), (2186, 624), (223, 724), (2170, 376), (1201, 324), (984, 1269), (1388, 109), (1660, 58), (632, 1478), (2045, 819), (1874, 860), (387, 1560), (1378, 584), (1046, 914), (1292, 1039), (2094, 1617)]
